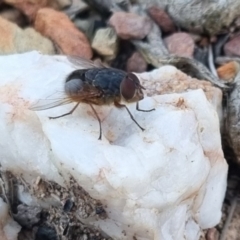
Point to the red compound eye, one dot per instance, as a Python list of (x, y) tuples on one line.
[(129, 85)]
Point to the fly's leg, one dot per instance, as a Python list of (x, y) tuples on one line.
[(141, 110), (118, 105), (66, 113), (99, 121)]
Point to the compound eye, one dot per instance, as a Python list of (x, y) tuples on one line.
[(128, 88)]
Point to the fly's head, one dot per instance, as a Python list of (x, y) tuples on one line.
[(131, 89)]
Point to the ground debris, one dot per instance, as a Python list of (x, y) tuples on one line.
[(28, 216), (62, 220), (74, 199)]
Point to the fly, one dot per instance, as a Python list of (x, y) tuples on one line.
[(97, 85)]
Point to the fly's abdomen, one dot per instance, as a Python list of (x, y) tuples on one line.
[(75, 82), (73, 87)]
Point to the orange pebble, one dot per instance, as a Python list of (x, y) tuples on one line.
[(228, 71)]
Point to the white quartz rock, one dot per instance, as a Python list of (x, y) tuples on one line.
[(167, 182)]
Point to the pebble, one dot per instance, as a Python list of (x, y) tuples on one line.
[(228, 71), (136, 63), (59, 28), (130, 25), (180, 44), (15, 40), (30, 8), (232, 47), (105, 42), (212, 234), (162, 19)]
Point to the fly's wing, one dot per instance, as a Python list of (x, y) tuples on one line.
[(44, 104), (88, 93), (80, 62)]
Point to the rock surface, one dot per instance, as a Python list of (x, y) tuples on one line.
[(232, 48), (228, 71), (136, 63), (15, 40), (75, 8), (167, 182), (130, 25), (30, 8), (180, 44), (58, 27), (105, 42), (162, 19), (212, 234), (232, 118), (171, 81), (199, 16), (62, 4)]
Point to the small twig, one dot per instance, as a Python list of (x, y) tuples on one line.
[(24, 183), (217, 48), (229, 219), (211, 61)]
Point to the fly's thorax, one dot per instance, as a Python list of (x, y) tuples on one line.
[(131, 89)]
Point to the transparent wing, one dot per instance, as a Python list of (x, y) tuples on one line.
[(80, 62), (88, 93), (44, 104)]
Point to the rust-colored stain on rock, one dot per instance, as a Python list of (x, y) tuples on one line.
[(10, 94)]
